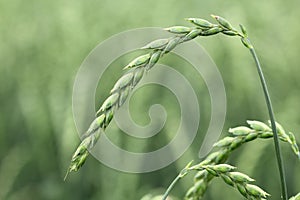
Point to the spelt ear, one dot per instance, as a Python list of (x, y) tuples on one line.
[(121, 90), (240, 135), (201, 23), (238, 180), (223, 22), (179, 29)]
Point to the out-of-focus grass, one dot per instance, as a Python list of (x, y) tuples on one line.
[(42, 46)]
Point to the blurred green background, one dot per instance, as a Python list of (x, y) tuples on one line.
[(43, 43)]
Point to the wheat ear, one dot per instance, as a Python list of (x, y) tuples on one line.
[(124, 85), (239, 136), (235, 179)]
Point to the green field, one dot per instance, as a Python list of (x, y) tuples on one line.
[(43, 44)]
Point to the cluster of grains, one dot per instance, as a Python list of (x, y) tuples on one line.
[(239, 136), (233, 178)]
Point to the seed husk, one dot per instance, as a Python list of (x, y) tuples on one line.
[(123, 82), (109, 103), (156, 44), (141, 60), (223, 22), (240, 177), (211, 31), (241, 130), (178, 29), (200, 22), (256, 191)]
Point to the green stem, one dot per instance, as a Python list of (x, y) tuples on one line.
[(171, 186), (273, 125)]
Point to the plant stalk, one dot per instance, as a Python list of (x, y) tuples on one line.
[(273, 124), (171, 187)]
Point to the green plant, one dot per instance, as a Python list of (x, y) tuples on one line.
[(239, 136), (207, 168), (125, 84), (235, 179)]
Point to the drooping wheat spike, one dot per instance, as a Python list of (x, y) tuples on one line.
[(233, 178), (239, 136), (124, 85)]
